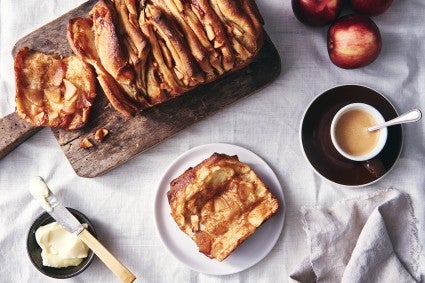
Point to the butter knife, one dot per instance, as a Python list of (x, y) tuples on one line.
[(54, 207)]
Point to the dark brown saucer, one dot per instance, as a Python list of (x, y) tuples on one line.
[(322, 155), (34, 250)]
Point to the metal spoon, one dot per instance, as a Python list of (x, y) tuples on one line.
[(411, 116)]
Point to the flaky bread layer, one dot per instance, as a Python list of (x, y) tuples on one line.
[(159, 49), (219, 203)]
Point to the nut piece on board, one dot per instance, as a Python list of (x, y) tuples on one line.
[(100, 134), (86, 143)]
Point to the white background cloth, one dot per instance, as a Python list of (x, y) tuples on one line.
[(120, 203)]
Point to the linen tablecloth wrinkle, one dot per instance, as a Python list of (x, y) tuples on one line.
[(121, 203)]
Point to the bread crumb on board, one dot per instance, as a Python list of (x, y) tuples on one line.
[(99, 136)]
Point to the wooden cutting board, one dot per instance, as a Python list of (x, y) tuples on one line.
[(130, 136)]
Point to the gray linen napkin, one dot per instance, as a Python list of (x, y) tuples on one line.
[(371, 238)]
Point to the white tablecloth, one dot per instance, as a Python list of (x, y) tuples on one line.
[(120, 203)]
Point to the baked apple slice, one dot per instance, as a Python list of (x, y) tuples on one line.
[(53, 91)]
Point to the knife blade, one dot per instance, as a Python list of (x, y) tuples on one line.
[(61, 214), (53, 206)]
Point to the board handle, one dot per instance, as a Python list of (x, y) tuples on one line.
[(108, 259), (13, 132)]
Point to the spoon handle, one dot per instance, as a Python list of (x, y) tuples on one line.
[(411, 116)]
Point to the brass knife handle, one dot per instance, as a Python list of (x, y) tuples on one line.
[(108, 259)]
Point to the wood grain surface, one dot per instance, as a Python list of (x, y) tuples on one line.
[(131, 136), (13, 132)]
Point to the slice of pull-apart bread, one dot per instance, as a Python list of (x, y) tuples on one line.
[(96, 40), (53, 91), (219, 203)]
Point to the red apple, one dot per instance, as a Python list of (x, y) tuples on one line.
[(316, 12), (371, 7), (354, 41)]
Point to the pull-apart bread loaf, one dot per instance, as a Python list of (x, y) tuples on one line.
[(53, 91), (219, 203), (147, 52)]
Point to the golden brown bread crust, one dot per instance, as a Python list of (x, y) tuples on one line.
[(219, 203), (51, 91), (216, 34), (107, 42), (136, 44), (155, 50), (82, 40)]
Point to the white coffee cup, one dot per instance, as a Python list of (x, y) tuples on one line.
[(349, 132)]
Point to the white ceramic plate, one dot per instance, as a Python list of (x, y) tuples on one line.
[(254, 249)]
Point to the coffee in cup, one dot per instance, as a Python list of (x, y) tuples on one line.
[(350, 135)]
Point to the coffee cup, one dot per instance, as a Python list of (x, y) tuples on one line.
[(349, 133)]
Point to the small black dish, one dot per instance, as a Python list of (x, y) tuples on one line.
[(34, 250), (322, 155)]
